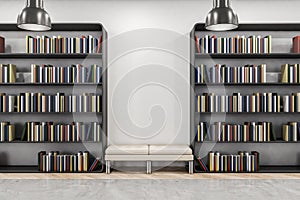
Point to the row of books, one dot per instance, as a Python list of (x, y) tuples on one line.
[(242, 162), (56, 162), (75, 73), (291, 131), (291, 103), (8, 73), (7, 132), (258, 102), (228, 132), (226, 74), (59, 44), (237, 44), (50, 132), (40, 102), (290, 73)]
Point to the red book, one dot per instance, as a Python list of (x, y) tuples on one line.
[(2, 44), (296, 44), (197, 44), (99, 44)]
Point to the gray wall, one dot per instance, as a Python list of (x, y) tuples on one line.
[(152, 37)]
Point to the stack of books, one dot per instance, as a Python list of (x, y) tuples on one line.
[(227, 132), (40, 102), (50, 132), (291, 103), (290, 73), (59, 44), (7, 103), (75, 73), (7, 132), (226, 74), (8, 73), (243, 162), (238, 44), (56, 162), (291, 131), (258, 102)]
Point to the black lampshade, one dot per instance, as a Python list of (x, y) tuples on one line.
[(33, 17)]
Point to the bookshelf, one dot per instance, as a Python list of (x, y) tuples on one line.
[(22, 156), (275, 156)]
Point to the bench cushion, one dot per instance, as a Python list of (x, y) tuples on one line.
[(127, 150), (170, 150)]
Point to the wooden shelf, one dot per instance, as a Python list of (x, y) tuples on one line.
[(45, 55)]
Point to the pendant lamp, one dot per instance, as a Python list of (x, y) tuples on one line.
[(33, 17), (221, 17)]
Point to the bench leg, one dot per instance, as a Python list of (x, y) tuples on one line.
[(108, 167), (149, 171), (191, 167)]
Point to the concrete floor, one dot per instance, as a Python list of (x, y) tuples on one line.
[(252, 189)]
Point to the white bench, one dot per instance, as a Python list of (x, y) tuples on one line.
[(148, 153)]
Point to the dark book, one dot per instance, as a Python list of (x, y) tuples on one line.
[(94, 165), (24, 133), (201, 164)]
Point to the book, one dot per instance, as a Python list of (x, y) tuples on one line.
[(95, 164), (2, 44), (296, 44), (202, 164)]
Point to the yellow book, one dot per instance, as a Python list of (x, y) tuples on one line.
[(285, 132), (284, 73), (211, 161), (11, 132), (71, 163), (217, 163), (77, 45), (269, 44)]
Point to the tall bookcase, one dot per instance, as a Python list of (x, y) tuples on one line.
[(22, 156), (275, 156)]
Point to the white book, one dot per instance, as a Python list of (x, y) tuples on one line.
[(274, 105), (258, 44), (240, 101), (243, 75), (74, 103), (265, 45), (222, 109), (72, 45), (286, 106), (248, 45), (206, 40)]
